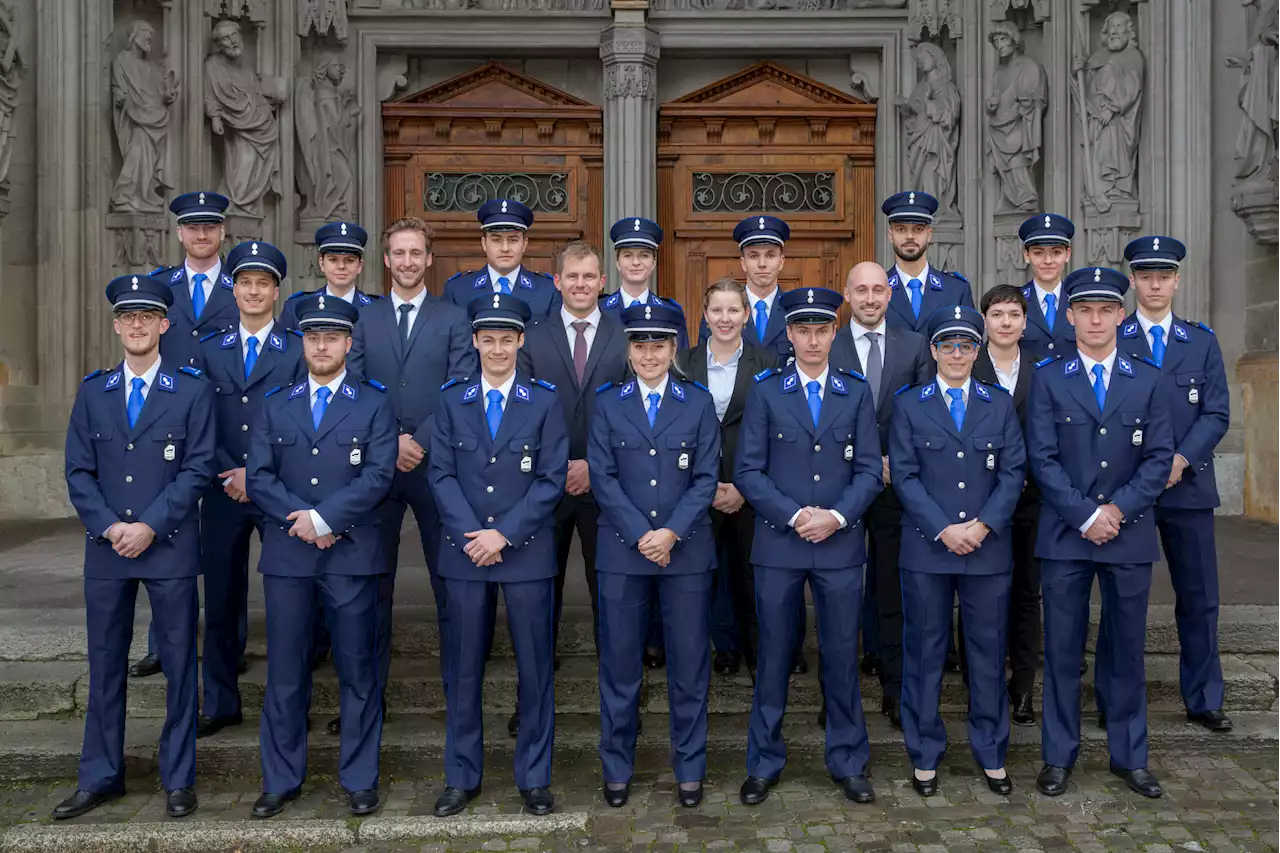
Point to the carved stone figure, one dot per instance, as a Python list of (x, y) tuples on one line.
[(141, 92), (240, 112), (931, 119), (1256, 140), (321, 16), (1015, 114), (1113, 83), (11, 65), (628, 80), (326, 114)]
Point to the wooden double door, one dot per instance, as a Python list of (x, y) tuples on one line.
[(764, 141)]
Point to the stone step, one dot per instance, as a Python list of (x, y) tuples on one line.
[(31, 691), (413, 745)]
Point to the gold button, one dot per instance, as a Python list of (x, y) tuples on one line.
[(1100, 497), (779, 435), (1050, 346), (681, 444), (244, 455), (492, 459), (490, 520), (194, 332), (1068, 419), (314, 481), (988, 445), (128, 478), (129, 513)]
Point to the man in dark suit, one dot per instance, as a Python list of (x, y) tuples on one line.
[(761, 240), (411, 342), (1046, 247), (503, 226), (918, 289), (890, 356)]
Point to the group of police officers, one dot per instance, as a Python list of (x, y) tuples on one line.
[(923, 452)]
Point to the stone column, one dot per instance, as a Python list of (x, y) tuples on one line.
[(629, 51)]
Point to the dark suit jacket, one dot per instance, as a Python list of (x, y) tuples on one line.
[(546, 356), (754, 359), (985, 372), (907, 361)]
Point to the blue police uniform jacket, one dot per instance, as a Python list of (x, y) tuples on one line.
[(944, 476), (775, 332), (153, 472), (510, 483), (647, 478), (785, 463), (342, 470), (538, 289), (941, 288), (289, 312), (181, 343), (1082, 458), (1195, 387), (613, 305), (238, 401), (1037, 338)]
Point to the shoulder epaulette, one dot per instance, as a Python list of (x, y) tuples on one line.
[(1206, 328), (544, 384), (764, 374), (373, 383), (958, 275), (696, 384), (450, 383), (298, 293), (274, 390), (459, 274), (1046, 361), (605, 387), (1146, 360), (903, 389), (160, 268), (98, 372), (997, 387), (191, 371), (298, 332), (853, 373), (212, 334)]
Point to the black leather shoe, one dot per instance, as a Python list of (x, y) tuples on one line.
[(242, 665), (617, 797), (925, 787), (858, 789), (728, 663), (82, 802), (871, 665), (1052, 781), (891, 708), (655, 658), (364, 802), (756, 790), (334, 726), (689, 798), (799, 666), (1003, 787), (270, 805), (953, 662), (538, 801), (1214, 721), (513, 723), (1022, 714), (207, 726), (822, 715), (182, 802), (453, 800), (1141, 780), (146, 666)]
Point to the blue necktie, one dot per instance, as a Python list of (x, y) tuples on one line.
[(957, 406), (1158, 345), (762, 318), (197, 293), (1050, 310), (655, 400), (493, 412), (1099, 387), (815, 400), (136, 400), (917, 295), (504, 283), (250, 357), (322, 403)]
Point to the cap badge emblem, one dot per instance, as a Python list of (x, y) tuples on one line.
[(1047, 222), (504, 207), (637, 224), (344, 229), (254, 248), (957, 312), (202, 198), (1155, 244), (321, 305), (911, 199), (1097, 274), (648, 313), (761, 223), (497, 300), (810, 299)]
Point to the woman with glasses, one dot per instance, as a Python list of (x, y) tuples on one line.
[(957, 461)]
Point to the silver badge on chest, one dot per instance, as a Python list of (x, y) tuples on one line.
[(848, 453), (170, 452), (683, 462), (1137, 438), (355, 456), (991, 462), (1193, 395), (526, 464)]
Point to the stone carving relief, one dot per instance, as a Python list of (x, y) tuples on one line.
[(776, 5), (141, 94), (327, 118), (241, 111), (138, 242), (11, 69), (629, 80), (1257, 170), (1112, 80), (863, 87), (1004, 10), (1015, 115), (321, 17), (927, 18), (507, 5), (931, 125)]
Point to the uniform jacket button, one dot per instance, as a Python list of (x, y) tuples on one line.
[(653, 482), (488, 488), (1101, 498), (817, 477), (128, 513), (489, 520), (959, 485), (817, 448), (1104, 463), (959, 454), (653, 452), (315, 451), (653, 513), (1102, 431), (128, 478), (128, 447), (195, 333), (314, 481), (962, 516), (1051, 346), (244, 427), (244, 399)]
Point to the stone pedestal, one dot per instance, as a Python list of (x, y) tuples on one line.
[(138, 240), (1255, 203), (629, 51), (1258, 373), (946, 252), (1011, 268), (1106, 234)]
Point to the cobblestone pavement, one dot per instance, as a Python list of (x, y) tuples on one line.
[(1212, 804)]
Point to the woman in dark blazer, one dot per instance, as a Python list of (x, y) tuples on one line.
[(725, 363)]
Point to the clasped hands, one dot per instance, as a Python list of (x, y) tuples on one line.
[(129, 540), (962, 539), (304, 529), (1106, 526), (815, 524), (655, 546)]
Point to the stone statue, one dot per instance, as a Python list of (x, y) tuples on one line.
[(240, 112), (1256, 141), (1113, 82), (321, 16), (326, 114), (931, 118), (10, 75), (1015, 114), (141, 93)]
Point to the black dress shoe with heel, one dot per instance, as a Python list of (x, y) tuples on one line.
[(1022, 713), (756, 790), (364, 802), (1214, 721), (270, 805), (538, 801), (892, 709), (207, 726), (1052, 781), (857, 788), (1140, 780), (1002, 786), (616, 798), (82, 802), (925, 787), (181, 803), (689, 798), (453, 800), (145, 666)]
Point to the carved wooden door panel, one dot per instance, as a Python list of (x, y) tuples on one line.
[(493, 133), (764, 141)]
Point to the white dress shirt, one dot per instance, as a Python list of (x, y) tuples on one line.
[(903, 278), (261, 335), (504, 389), (349, 297), (943, 387), (769, 302), (212, 274), (1087, 367), (149, 378), (589, 333), (721, 378), (627, 300), (804, 380), (660, 389), (513, 277), (863, 344), (1041, 293), (322, 529), (416, 302), (1008, 381), (1148, 325)]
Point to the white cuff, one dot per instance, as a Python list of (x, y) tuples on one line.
[(1084, 527), (840, 518), (792, 522), (318, 523)]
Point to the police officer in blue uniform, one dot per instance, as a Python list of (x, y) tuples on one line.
[(958, 462), (503, 226), (1100, 445), (340, 246), (635, 248), (140, 453), (654, 455), (497, 466), (242, 363), (918, 289), (809, 464), (1046, 247), (320, 463), (1195, 385)]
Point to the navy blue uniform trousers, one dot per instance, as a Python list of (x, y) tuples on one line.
[(684, 602), (531, 623), (837, 601), (226, 528), (926, 606), (351, 610), (109, 605)]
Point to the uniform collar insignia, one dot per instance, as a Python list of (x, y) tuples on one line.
[(228, 340), (1072, 366), (981, 391), (298, 390), (1125, 367), (611, 302), (177, 275), (114, 381), (1130, 330), (525, 283), (790, 382), (927, 391), (837, 385), (677, 391), (482, 281), (1026, 292), (275, 342), (893, 280), (227, 282), (627, 390), (348, 391), (471, 393), (364, 300), (521, 393), (935, 283), (1180, 332), (164, 382)]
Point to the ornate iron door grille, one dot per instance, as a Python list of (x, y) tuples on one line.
[(465, 192), (763, 192)]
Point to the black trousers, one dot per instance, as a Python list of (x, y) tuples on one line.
[(733, 534), (578, 512), (1024, 602), (884, 527)]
